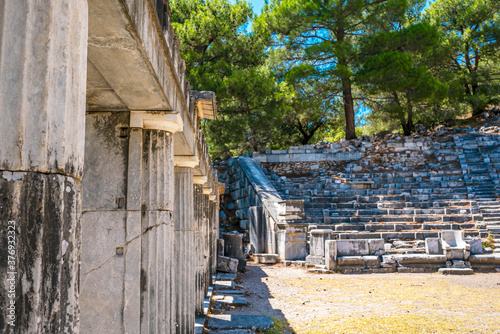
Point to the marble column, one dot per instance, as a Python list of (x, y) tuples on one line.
[(43, 62), (200, 235), (185, 248)]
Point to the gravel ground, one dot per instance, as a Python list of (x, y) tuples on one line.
[(301, 302)]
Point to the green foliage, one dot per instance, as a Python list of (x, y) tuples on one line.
[(472, 34), (300, 73), (281, 326), (223, 57), (395, 67), (322, 39)]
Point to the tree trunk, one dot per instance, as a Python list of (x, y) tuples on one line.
[(350, 128), (406, 126), (409, 122), (343, 63), (306, 136)]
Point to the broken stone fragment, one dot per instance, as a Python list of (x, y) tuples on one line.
[(226, 264)]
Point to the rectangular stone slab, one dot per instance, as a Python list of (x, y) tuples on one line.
[(226, 276), (231, 292), (227, 321), (223, 285), (232, 331)]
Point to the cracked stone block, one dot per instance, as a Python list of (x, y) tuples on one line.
[(226, 264), (433, 246)]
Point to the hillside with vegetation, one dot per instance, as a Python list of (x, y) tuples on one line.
[(305, 71)]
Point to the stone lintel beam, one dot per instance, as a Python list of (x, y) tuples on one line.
[(188, 161), (207, 190), (117, 52), (156, 120), (206, 104)]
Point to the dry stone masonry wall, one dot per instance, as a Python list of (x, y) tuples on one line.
[(401, 191)]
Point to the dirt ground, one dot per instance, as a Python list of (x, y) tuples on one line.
[(302, 302)]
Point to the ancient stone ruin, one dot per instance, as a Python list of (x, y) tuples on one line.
[(406, 204), (108, 200)]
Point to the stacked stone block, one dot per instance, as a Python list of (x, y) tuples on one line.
[(403, 189), (410, 184), (242, 194)]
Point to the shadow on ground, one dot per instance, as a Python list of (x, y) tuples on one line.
[(259, 299)]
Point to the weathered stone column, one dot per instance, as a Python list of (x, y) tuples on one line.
[(200, 239), (127, 225), (185, 248), (43, 62), (214, 229)]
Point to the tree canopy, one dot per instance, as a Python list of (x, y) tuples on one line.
[(471, 30), (300, 71)]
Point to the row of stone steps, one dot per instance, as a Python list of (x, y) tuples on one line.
[(433, 193), (331, 210), (225, 295), (460, 191), (352, 227)]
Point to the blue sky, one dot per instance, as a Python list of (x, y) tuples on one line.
[(257, 5)]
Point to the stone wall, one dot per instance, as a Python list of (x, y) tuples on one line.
[(401, 190), (249, 191)]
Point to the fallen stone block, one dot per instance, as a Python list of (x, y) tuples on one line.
[(227, 264), (476, 245), (376, 246), (231, 292), (233, 322), (225, 276), (228, 300), (232, 331), (351, 261), (242, 265), (433, 246), (224, 285), (233, 245), (456, 271), (353, 247), (266, 258), (315, 259)]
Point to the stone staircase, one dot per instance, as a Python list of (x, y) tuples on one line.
[(476, 167), (456, 191), (400, 201)]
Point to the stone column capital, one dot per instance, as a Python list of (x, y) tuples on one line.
[(200, 179), (188, 161), (207, 190), (156, 120)]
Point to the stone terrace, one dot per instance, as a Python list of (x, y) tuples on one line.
[(407, 188)]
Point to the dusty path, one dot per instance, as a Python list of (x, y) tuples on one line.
[(377, 303)]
